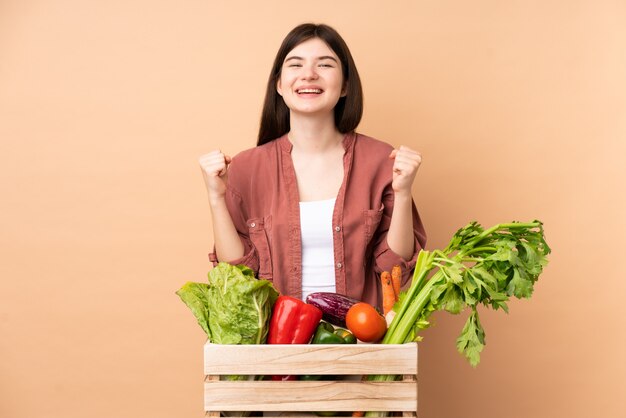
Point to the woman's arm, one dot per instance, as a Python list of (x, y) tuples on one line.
[(228, 245), (400, 237)]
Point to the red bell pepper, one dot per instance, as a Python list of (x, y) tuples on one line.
[(292, 322)]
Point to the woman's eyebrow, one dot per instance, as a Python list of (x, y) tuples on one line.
[(324, 57)]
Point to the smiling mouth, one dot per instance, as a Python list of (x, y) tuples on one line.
[(309, 91)]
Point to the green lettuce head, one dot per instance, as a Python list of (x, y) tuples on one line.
[(237, 305)]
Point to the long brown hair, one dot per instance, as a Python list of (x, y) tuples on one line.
[(349, 109)]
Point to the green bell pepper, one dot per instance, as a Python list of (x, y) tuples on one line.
[(327, 334), (348, 337)]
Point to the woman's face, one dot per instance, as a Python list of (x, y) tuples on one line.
[(311, 79)]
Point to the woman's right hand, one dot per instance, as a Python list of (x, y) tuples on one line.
[(214, 170)]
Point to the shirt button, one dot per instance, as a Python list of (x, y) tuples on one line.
[(252, 225), (339, 265), (337, 228)]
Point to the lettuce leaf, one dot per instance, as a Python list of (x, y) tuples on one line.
[(195, 297), (233, 307)]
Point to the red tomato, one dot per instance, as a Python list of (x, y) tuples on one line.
[(365, 322)]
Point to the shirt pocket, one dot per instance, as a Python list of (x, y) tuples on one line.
[(371, 220), (259, 229)]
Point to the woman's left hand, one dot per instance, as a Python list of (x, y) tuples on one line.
[(405, 165)]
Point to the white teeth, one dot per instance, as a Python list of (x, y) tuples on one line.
[(317, 91)]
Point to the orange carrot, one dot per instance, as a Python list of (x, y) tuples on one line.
[(389, 296), (396, 278)]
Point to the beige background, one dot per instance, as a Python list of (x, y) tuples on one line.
[(519, 108)]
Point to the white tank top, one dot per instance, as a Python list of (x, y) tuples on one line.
[(318, 260)]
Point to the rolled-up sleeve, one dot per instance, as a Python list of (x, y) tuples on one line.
[(384, 256), (250, 256)]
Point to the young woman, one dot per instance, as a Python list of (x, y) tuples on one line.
[(315, 206)]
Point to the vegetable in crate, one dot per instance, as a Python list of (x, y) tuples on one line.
[(365, 322), (479, 266), (334, 306), (233, 307), (327, 334), (390, 285), (293, 322), (348, 337)]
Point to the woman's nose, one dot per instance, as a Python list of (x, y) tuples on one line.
[(309, 72)]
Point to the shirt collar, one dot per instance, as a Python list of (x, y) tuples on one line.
[(286, 145)]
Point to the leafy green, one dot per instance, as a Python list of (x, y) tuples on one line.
[(233, 307), (195, 297), (472, 338), (477, 267)]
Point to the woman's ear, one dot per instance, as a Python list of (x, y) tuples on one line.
[(344, 90), (278, 89)]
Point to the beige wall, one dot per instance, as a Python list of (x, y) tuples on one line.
[(518, 107)]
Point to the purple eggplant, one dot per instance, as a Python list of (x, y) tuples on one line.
[(334, 306)]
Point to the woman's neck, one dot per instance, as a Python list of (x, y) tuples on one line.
[(314, 134)]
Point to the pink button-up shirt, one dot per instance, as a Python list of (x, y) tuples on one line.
[(263, 200)]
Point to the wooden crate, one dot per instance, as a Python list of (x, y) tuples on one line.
[(323, 395)]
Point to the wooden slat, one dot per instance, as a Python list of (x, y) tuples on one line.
[(309, 396), (310, 359), (410, 378)]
